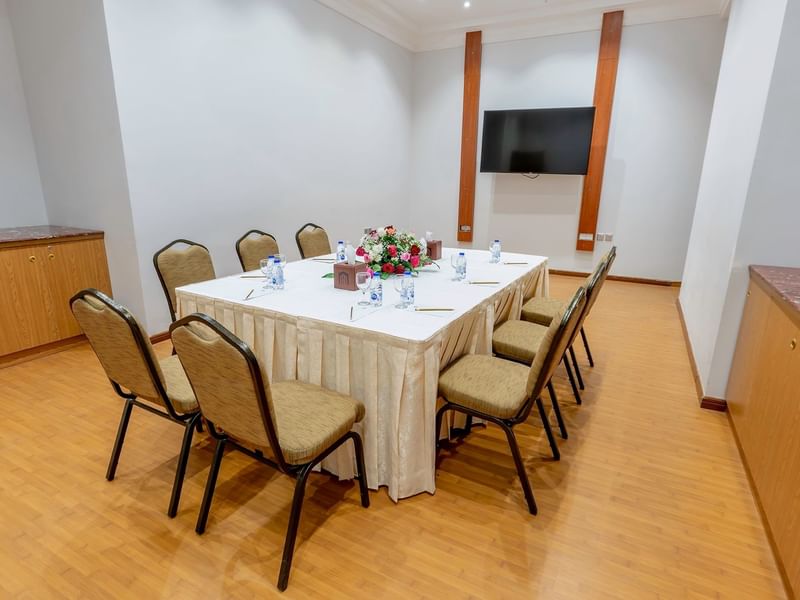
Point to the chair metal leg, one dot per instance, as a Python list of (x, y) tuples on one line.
[(294, 522), (547, 430), (121, 430), (180, 471), (586, 347), (199, 425), (577, 368), (362, 470), (557, 409), (571, 377), (438, 430), (211, 483), (523, 476)]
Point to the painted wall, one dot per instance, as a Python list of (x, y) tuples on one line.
[(751, 45), (268, 114), (769, 229), (662, 110), (21, 199), (66, 72)]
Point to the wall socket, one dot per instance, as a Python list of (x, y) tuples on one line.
[(604, 237)]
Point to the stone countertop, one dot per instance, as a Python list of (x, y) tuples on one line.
[(15, 235), (784, 280)]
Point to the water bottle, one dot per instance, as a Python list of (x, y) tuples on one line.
[(376, 293), (408, 290), (277, 275), (462, 266), (495, 252), (340, 255)]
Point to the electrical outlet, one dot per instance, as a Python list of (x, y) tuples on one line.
[(609, 237), (600, 237)]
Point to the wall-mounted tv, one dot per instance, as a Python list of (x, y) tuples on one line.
[(544, 140)]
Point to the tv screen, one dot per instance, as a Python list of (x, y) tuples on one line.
[(547, 140)]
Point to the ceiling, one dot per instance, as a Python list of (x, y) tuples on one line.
[(421, 25)]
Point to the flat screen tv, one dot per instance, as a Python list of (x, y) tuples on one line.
[(544, 140)]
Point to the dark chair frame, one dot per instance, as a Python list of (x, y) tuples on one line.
[(612, 255), (189, 421), (244, 237), (299, 472), (158, 253), (297, 237), (507, 425)]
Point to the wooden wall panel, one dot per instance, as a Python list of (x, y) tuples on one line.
[(605, 84), (469, 136)]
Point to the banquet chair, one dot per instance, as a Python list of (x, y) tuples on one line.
[(254, 246), (179, 263), (298, 424), (503, 392), (137, 375), (312, 240), (541, 310)]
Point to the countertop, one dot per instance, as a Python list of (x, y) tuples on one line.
[(37, 233), (784, 281)]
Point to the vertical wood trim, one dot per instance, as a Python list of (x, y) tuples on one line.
[(605, 83), (469, 135)]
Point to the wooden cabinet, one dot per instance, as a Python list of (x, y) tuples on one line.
[(41, 268), (764, 401)]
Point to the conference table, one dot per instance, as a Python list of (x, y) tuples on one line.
[(387, 358)]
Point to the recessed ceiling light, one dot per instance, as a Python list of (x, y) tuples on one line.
[(467, 3)]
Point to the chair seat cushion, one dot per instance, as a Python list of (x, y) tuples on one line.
[(518, 340), (311, 418), (179, 390), (487, 384), (542, 310)]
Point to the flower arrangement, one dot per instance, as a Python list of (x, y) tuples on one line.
[(391, 252)]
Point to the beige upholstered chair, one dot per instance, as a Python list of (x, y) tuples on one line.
[(254, 246), (503, 392), (312, 240), (179, 263), (299, 424), (137, 375), (541, 310)]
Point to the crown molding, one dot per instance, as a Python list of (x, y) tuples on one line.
[(552, 19)]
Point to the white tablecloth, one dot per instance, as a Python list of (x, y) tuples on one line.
[(389, 359)]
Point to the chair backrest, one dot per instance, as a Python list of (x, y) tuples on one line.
[(180, 263), (555, 343), (121, 345), (254, 246), (312, 240), (227, 381), (593, 286)]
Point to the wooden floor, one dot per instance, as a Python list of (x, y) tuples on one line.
[(649, 500)]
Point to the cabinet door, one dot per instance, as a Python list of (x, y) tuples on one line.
[(71, 267), (25, 302)]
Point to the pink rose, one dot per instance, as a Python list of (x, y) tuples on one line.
[(415, 261), (405, 256)]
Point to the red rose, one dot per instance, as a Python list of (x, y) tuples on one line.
[(415, 261), (388, 268), (399, 269), (360, 251), (392, 250), (415, 250)]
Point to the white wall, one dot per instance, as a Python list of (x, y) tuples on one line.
[(66, 72), (662, 109), (769, 227), (747, 65), (21, 200), (255, 114)]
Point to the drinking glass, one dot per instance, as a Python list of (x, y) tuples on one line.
[(266, 265), (363, 281)]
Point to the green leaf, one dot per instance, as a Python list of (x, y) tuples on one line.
[(328, 276)]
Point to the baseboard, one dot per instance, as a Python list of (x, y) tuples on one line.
[(9, 360), (644, 280), (707, 402), (159, 337)]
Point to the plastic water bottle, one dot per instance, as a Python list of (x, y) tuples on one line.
[(340, 254), (376, 293), (277, 275), (461, 266), (408, 290), (495, 252), (268, 271)]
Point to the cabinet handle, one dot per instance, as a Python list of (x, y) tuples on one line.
[(51, 256), (793, 344), (32, 258)]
